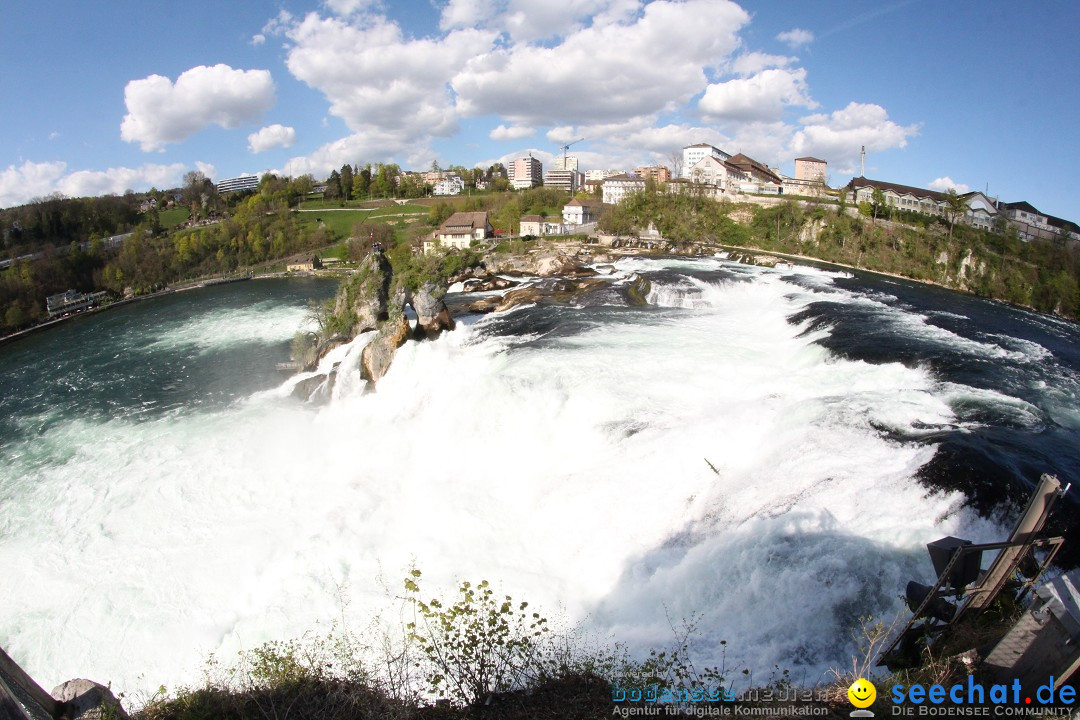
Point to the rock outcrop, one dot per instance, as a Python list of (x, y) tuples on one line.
[(432, 316), (363, 297), (88, 700), (379, 353)]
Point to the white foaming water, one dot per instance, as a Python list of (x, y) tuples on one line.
[(572, 473), (262, 322)]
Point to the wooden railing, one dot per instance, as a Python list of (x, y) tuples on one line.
[(23, 699)]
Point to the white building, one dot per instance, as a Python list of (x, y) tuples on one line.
[(570, 164), (537, 226), (449, 185), (616, 188), (693, 154), (525, 173), (460, 230), (982, 211), (567, 180), (236, 184), (580, 212), (717, 173), (600, 175)]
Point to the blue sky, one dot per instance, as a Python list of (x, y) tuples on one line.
[(100, 97)]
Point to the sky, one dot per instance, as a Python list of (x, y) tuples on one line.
[(103, 97)]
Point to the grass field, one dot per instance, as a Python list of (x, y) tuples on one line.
[(173, 216), (341, 222)]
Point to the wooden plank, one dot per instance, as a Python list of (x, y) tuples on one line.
[(10, 709), (11, 669)]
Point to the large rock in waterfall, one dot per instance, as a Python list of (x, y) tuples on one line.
[(432, 316), (379, 353), (364, 296)]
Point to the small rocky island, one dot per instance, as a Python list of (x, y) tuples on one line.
[(375, 296)]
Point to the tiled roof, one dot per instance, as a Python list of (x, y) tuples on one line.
[(471, 220), (898, 189)]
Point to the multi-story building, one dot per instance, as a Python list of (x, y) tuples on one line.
[(1031, 224), (525, 172), (720, 174), (659, 173), (619, 186), (449, 185), (596, 176), (760, 178), (811, 169), (903, 197), (236, 184), (693, 154), (571, 163), (567, 180)]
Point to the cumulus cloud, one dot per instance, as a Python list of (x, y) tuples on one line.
[(838, 136), (161, 112), (84, 183), (796, 37), (605, 72), (270, 137), (19, 185), (206, 169), (374, 77), (760, 97), (458, 14), (514, 132), (947, 183)]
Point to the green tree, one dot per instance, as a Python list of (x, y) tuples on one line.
[(346, 181), (956, 207)]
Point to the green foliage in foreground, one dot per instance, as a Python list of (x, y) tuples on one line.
[(478, 651)]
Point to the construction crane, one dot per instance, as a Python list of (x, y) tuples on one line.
[(566, 147)]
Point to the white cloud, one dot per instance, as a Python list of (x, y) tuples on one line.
[(270, 137), (514, 132), (258, 39), (605, 72), (946, 183), (160, 112), (206, 169), (796, 37), (375, 145), (561, 134), (760, 97), (838, 136), (375, 78), (19, 185), (458, 14), (84, 183), (755, 62)]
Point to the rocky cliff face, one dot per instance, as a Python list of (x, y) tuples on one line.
[(363, 297), (370, 300)]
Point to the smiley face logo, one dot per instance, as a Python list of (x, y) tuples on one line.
[(862, 693)]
